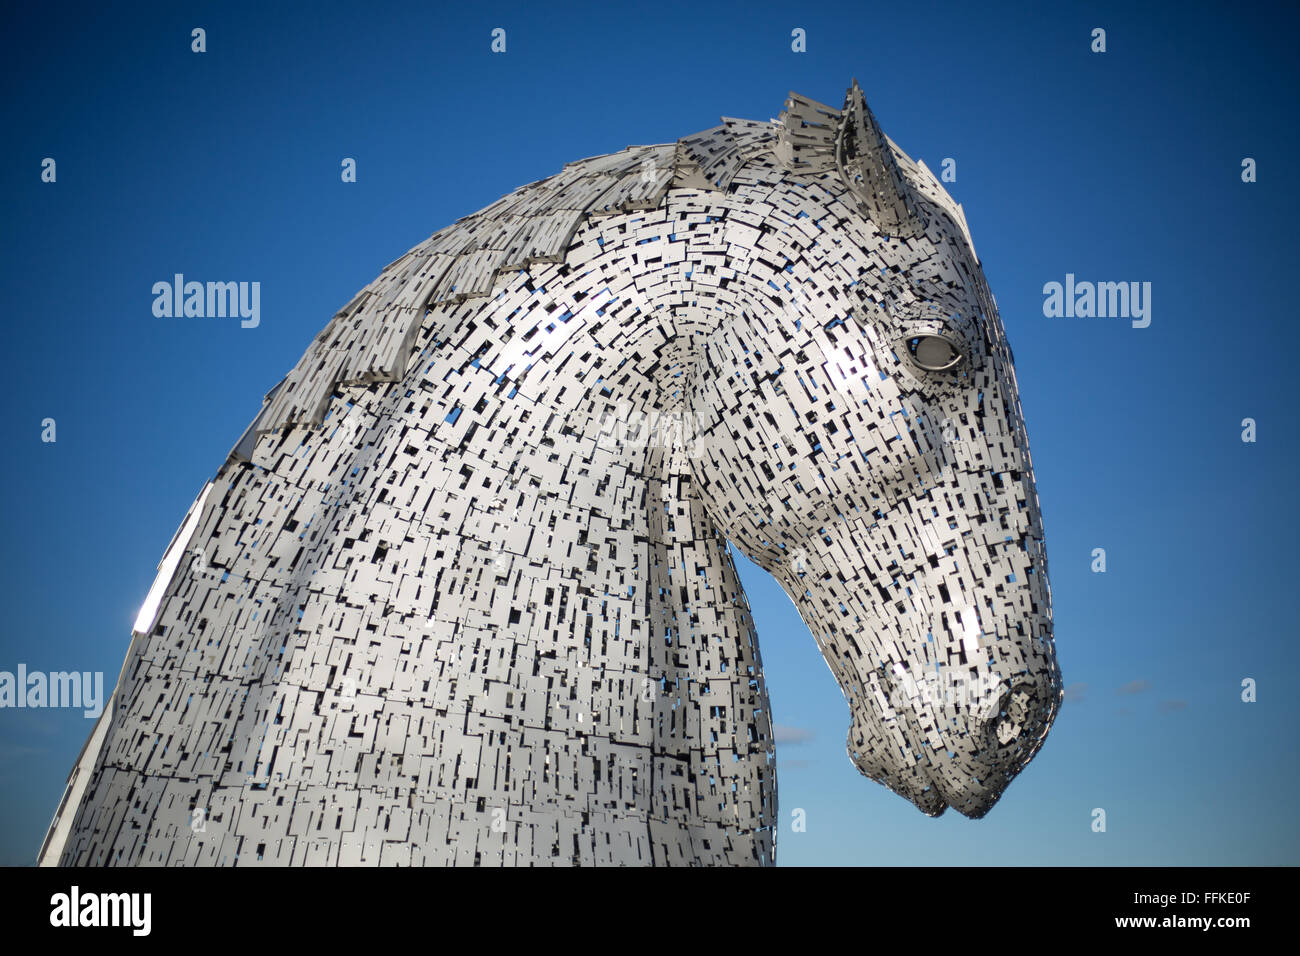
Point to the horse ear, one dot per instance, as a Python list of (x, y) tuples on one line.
[(870, 171), (805, 135)]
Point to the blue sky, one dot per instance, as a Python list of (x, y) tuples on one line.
[(1122, 166)]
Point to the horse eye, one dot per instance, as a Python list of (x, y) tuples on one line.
[(933, 353)]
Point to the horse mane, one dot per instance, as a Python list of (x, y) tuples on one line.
[(371, 339)]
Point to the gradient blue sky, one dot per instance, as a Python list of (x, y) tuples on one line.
[(1120, 166)]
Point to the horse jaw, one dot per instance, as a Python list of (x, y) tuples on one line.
[(948, 702)]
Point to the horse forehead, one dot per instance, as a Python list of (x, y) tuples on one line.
[(935, 275)]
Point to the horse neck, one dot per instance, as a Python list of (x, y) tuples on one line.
[(603, 523), (596, 462)]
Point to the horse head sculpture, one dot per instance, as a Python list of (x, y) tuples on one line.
[(863, 417), (462, 593)]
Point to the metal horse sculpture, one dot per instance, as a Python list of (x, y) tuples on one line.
[(454, 598)]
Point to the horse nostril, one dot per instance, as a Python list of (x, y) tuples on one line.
[(1019, 716)]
